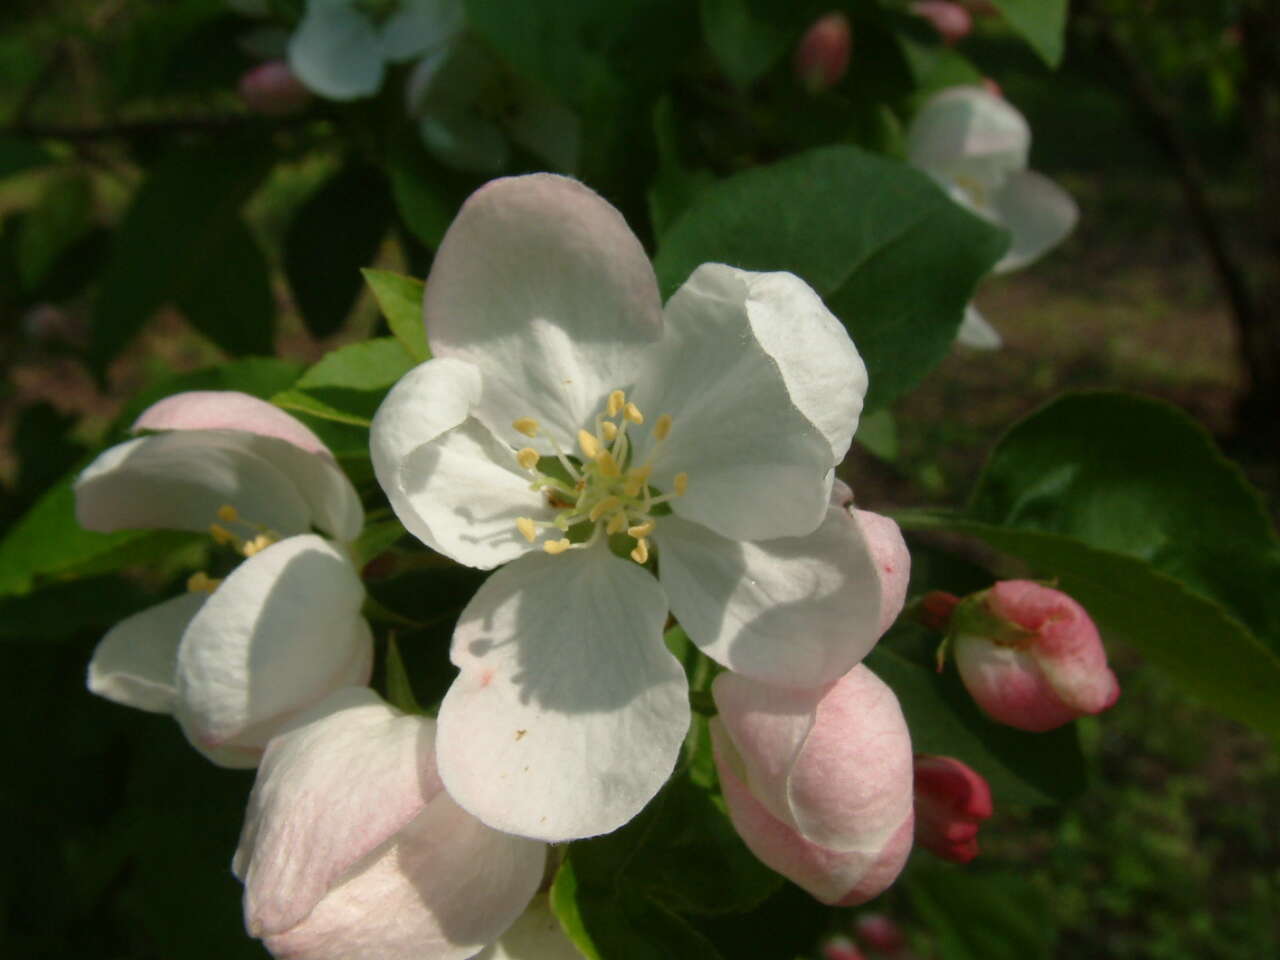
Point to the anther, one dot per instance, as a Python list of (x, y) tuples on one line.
[(607, 505), (609, 429), (616, 401), (526, 528), (632, 413), (554, 547), (221, 535), (589, 444), (527, 457), (526, 425), (616, 523), (608, 465), (641, 553), (663, 427), (641, 530), (256, 545), (680, 483), (228, 513), (202, 583)]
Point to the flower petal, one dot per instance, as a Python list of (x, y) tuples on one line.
[(976, 332), (281, 632), (536, 935), (228, 410), (891, 559), (758, 467), (1009, 685), (568, 699), (540, 284), (336, 51), (796, 611), (1038, 214), (134, 663), (968, 132), (328, 793)]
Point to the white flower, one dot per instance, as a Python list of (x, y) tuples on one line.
[(352, 848), (340, 52), (232, 658), (975, 144), (565, 413)]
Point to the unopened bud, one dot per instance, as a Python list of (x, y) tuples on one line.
[(880, 933), (273, 90), (841, 948), (936, 608), (952, 799), (951, 20), (822, 55)]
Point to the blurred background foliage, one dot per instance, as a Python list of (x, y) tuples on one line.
[(157, 234)]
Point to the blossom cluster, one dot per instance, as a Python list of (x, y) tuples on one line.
[(616, 462)]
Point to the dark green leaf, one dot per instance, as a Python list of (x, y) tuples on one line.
[(1040, 22), (745, 44), (400, 300), (59, 611), (17, 155), (399, 690), (893, 257), (60, 219), (229, 298), (336, 232), (426, 194), (349, 384)]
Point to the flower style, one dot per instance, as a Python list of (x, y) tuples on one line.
[(234, 657), (341, 47), (567, 416), (352, 848), (952, 800), (818, 782), (975, 145)]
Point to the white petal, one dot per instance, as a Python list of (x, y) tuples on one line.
[(976, 332), (228, 410), (569, 712), (541, 285), (336, 51), (1038, 214), (282, 632), (796, 611), (757, 467), (441, 889), (329, 793), (536, 935), (969, 132), (419, 27), (134, 663)]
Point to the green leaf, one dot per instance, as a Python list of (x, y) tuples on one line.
[(182, 241), (427, 194), (61, 610), (878, 432), (335, 233), (60, 219), (745, 44), (375, 538), (1211, 654), (893, 257), (674, 186), (1138, 477), (400, 300), (1041, 23), (975, 915), (349, 383), (17, 155), (399, 690), (1021, 767)]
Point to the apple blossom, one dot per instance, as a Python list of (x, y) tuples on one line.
[(352, 848), (1030, 656), (566, 415), (818, 781), (975, 145), (951, 20), (952, 799), (822, 55), (232, 658), (272, 90)]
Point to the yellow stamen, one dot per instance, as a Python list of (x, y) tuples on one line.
[(616, 401), (221, 535), (228, 513), (641, 530), (526, 425), (609, 429), (589, 444), (641, 553), (554, 547), (607, 505), (202, 583), (662, 427), (527, 457), (608, 465), (632, 413), (680, 483), (526, 528), (256, 545), (616, 523)]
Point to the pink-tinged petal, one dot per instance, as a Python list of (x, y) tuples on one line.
[(540, 283), (951, 20), (568, 699), (536, 935), (951, 799), (328, 793), (966, 132), (892, 562), (737, 431), (845, 878), (280, 633), (1038, 214), (229, 410), (134, 663), (798, 611), (822, 55), (1008, 684), (880, 933)]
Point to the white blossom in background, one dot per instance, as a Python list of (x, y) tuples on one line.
[(572, 428), (975, 145), (341, 48), (236, 655), (351, 847)]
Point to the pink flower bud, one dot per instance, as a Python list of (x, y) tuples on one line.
[(878, 931), (951, 20), (993, 88), (841, 948), (818, 781), (822, 55), (273, 90), (1031, 657), (951, 801), (936, 608), (892, 562)]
